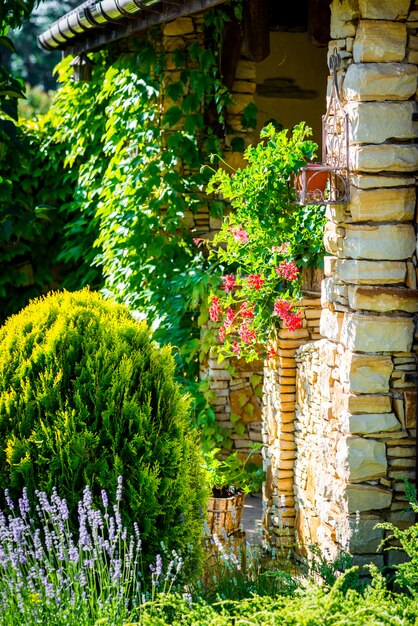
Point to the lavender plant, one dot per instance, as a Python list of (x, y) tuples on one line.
[(49, 576)]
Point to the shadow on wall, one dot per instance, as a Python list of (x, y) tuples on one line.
[(292, 82)]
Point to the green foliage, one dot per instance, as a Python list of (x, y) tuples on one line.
[(263, 242), (234, 473), (85, 397), (312, 606), (33, 187), (407, 540)]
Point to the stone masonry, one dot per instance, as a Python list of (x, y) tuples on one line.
[(353, 440)]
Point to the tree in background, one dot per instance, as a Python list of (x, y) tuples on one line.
[(29, 61)]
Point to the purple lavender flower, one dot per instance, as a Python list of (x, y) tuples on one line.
[(119, 489), (105, 499)]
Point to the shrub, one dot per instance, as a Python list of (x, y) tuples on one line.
[(85, 397)]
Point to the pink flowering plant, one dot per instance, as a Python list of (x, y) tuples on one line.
[(265, 241)]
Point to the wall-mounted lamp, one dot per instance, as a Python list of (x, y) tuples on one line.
[(82, 68)]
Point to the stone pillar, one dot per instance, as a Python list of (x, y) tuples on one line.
[(367, 371)]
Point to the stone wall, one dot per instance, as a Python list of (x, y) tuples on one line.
[(279, 401), (368, 384), (235, 395), (353, 440)]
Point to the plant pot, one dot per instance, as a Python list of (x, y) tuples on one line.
[(313, 180), (224, 514)]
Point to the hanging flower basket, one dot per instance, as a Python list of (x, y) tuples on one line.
[(224, 513)]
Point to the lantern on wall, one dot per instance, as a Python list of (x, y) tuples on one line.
[(328, 182), (82, 68)]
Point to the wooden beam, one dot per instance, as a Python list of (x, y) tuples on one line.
[(158, 14), (319, 22)]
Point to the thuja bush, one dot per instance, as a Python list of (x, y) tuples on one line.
[(85, 396)]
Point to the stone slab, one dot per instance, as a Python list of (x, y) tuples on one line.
[(343, 12), (376, 122), (383, 299), (372, 333), (370, 272), (385, 242), (384, 9), (384, 158), (372, 181), (382, 205), (365, 373), (366, 458), (369, 423), (367, 498), (331, 324), (380, 81), (365, 537), (379, 41)]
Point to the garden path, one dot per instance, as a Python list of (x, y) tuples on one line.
[(252, 517)]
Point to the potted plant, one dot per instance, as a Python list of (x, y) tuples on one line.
[(263, 244), (231, 479)]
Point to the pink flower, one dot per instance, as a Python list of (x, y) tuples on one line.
[(283, 249), (235, 348), (214, 309), (282, 308), (222, 333), (255, 281), (292, 322), (246, 311), (230, 318), (271, 352), (228, 282), (247, 335), (286, 270), (240, 234), (198, 241)]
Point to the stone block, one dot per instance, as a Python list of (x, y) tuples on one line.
[(376, 122), (385, 242), (384, 158), (343, 12), (180, 26), (331, 324), (372, 333), (365, 536), (364, 373), (370, 272), (380, 81), (370, 181), (367, 498), (246, 70), (239, 102), (383, 299), (382, 205), (364, 459), (369, 423), (344, 404), (384, 9), (243, 86), (410, 398), (379, 41)]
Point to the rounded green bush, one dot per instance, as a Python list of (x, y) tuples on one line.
[(85, 396)]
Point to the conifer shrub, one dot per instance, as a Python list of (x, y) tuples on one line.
[(85, 396)]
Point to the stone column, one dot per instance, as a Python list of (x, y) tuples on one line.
[(369, 295)]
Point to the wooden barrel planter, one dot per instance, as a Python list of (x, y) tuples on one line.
[(224, 514)]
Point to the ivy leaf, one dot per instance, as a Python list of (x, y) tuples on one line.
[(237, 144), (249, 116), (175, 91), (193, 121), (172, 116)]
